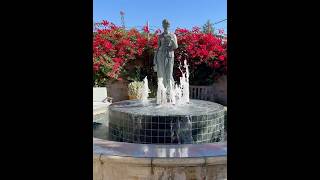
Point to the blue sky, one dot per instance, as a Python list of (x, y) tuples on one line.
[(180, 13)]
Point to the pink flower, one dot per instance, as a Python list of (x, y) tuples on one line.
[(221, 58), (96, 67), (118, 61), (216, 65), (158, 31), (105, 23), (146, 29), (107, 45)]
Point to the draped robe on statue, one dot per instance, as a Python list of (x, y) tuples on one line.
[(164, 58)]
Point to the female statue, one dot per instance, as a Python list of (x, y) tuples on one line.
[(164, 56)]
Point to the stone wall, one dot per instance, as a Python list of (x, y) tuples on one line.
[(217, 92), (118, 90), (116, 167), (220, 90)]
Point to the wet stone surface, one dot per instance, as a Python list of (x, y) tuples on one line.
[(147, 123)]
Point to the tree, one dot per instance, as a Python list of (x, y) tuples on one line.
[(208, 27)]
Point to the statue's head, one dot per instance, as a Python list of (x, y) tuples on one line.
[(165, 24)]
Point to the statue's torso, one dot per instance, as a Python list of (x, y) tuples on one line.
[(165, 40)]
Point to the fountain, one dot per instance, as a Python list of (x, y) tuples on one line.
[(169, 137), (145, 91), (171, 118)]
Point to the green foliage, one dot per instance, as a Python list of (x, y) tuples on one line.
[(208, 27), (203, 75)]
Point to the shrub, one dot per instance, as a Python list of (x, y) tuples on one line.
[(134, 89)]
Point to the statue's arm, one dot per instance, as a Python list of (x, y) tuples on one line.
[(175, 43), (156, 51), (155, 58)]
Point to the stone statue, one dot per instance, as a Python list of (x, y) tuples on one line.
[(164, 57)]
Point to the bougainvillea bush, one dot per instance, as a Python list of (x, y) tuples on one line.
[(205, 53), (114, 48)]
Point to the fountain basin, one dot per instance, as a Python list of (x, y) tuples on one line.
[(118, 160), (145, 122)]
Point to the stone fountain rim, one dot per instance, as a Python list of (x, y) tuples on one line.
[(114, 107), (105, 149), (167, 162)]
